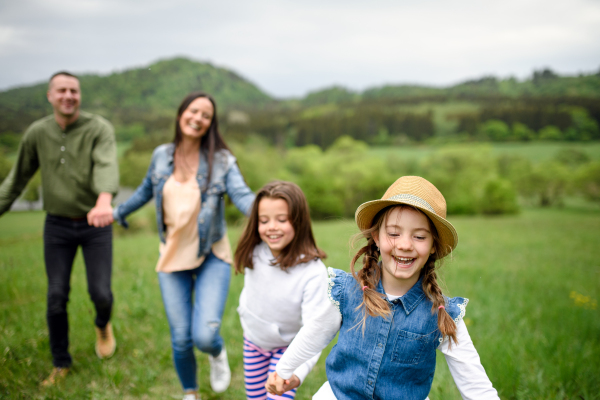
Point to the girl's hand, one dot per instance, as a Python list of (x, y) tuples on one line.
[(278, 386)]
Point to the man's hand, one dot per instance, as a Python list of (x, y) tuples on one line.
[(101, 215), (278, 386)]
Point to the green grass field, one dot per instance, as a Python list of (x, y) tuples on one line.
[(533, 281)]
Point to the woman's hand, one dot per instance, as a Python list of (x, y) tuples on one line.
[(277, 385)]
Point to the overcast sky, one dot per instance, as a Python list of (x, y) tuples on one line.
[(289, 48)]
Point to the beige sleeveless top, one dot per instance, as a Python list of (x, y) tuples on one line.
[(181, 205)]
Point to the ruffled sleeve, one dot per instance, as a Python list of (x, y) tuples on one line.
[(456, 307), (335, 287)]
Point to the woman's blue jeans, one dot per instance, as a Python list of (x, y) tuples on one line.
[(194, 302)]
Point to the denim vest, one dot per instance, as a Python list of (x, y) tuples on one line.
[(225, 178), (395, 357)]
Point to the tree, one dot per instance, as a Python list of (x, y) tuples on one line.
[(495, 130)]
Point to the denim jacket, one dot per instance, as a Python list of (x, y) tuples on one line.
[(225, 178), (395, 357)]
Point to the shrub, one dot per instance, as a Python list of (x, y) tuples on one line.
[(336, 181), (499, 197), (459, 173), (584, 127), (572, 158), (550, 132), (232, 214), (9, 141), (133, 167), (130, 132), (517, 170), (546, 184), (258, 162), (588, 181), (522, 132), (495, 130)]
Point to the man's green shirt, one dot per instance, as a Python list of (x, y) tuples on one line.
[(77, 164)]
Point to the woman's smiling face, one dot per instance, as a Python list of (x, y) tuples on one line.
[(405, 242), (196, 119)]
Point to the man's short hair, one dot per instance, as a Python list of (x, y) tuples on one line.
[(65, 73)]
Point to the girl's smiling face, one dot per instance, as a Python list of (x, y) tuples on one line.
[(274, 226), (405, 242)]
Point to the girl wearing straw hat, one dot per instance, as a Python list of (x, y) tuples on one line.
[(391, 315)]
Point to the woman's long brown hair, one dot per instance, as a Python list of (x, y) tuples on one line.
[(374, 304), (301, 249)]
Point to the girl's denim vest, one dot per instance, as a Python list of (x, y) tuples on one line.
[(395, 357), (225, 178)]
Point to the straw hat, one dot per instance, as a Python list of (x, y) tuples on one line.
[(419, 193)]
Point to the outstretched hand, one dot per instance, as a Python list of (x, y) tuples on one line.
[(277, 385)]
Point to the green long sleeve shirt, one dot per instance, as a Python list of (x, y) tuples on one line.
[(77, 164)]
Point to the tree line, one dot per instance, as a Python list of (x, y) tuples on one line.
[(142, 101)]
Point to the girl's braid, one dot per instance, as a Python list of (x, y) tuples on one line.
[(368, 277), (445, 322)]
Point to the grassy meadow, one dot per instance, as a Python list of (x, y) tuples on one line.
[(533, 281)]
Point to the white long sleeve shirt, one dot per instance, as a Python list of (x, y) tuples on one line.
[(463, 359), (275, 304)]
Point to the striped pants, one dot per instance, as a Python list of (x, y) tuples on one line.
[(258, 364)]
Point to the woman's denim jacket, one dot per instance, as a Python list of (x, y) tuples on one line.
[(225, 178), (394, 358)]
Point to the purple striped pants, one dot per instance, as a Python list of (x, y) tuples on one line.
[(258, 364)]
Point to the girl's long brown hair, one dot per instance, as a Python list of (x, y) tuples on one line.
[(301, 249), (374, 304)]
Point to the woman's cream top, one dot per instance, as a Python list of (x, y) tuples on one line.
[(181, 205)]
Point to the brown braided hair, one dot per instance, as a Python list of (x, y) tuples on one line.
[(374, 303)]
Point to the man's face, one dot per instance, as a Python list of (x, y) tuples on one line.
[(64, 95)]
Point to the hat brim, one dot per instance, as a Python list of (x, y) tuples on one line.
[(367, 211)]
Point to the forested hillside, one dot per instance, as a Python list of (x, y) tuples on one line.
[(141, 103), (544, 107)]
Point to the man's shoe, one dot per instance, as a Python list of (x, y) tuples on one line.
[(220, 374), (57, 375), (191, 396), (105, 341)]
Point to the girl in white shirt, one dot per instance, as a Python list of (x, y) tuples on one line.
[(283, 284), (391, 315)]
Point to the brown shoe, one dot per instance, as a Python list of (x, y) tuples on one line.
[(57, 375), (105, 341)]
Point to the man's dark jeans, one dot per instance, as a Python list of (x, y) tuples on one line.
[(62, 236)]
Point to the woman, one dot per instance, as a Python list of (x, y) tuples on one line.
[(188, 179)]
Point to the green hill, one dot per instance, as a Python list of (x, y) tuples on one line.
[(144, 95)]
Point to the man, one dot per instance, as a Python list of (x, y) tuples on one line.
[(76, 153)]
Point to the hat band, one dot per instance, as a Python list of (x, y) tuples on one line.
[(412, 199)]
